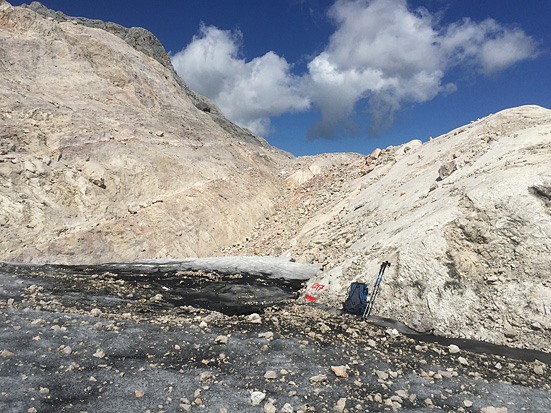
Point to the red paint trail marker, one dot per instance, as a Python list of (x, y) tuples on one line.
[(313, 290)]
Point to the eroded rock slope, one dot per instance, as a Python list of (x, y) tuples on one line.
[(106, 155), (464, 219)]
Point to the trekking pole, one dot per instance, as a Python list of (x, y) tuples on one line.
[(375, 288)]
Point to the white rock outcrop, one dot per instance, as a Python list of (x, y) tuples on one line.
[(470, 250)]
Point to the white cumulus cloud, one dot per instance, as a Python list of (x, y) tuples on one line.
[(248, 93), (381, 55), (385, 54)]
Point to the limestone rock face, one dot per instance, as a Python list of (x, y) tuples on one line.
[(464, 219), (104, 153), (471, 247)]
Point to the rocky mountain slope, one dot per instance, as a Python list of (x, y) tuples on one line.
[(107, 155), (464, 219)]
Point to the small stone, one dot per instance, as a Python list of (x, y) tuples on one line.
[(492, 409), (96, 312), (206, 376), (320, 378), (138, 393), (6, 353), (535, 325), (340, 371), (467, 403), (453, 349), (156, 298), (402, 393), (287, 408), (447, 169), (509, 331), (324, 328), (10, 302), (270, 375), (67, 350), (269, 408), (257, 397), (381, 374), (267, 335), (341, 404), (99, 353), (463, 361), (392, 332), (254, 318), (221, 340), (447, 374), (44, 391), (32, 410), (202, 324), (371, 343), (538, 369)]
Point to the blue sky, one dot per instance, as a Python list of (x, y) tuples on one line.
[(348, 75)]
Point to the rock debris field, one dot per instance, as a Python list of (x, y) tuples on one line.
[(87, 339)]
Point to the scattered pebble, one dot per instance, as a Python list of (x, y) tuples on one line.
[(340, 371), (267, 335), (341, 404), (270, 375), (257, 397), (453, 349), (96, 312), (206, 376), (99, 354), (320, 378), (254, 318)]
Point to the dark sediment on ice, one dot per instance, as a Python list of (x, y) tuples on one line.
[(85, 338)]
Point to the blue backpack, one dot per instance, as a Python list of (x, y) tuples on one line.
[(356, 302)]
